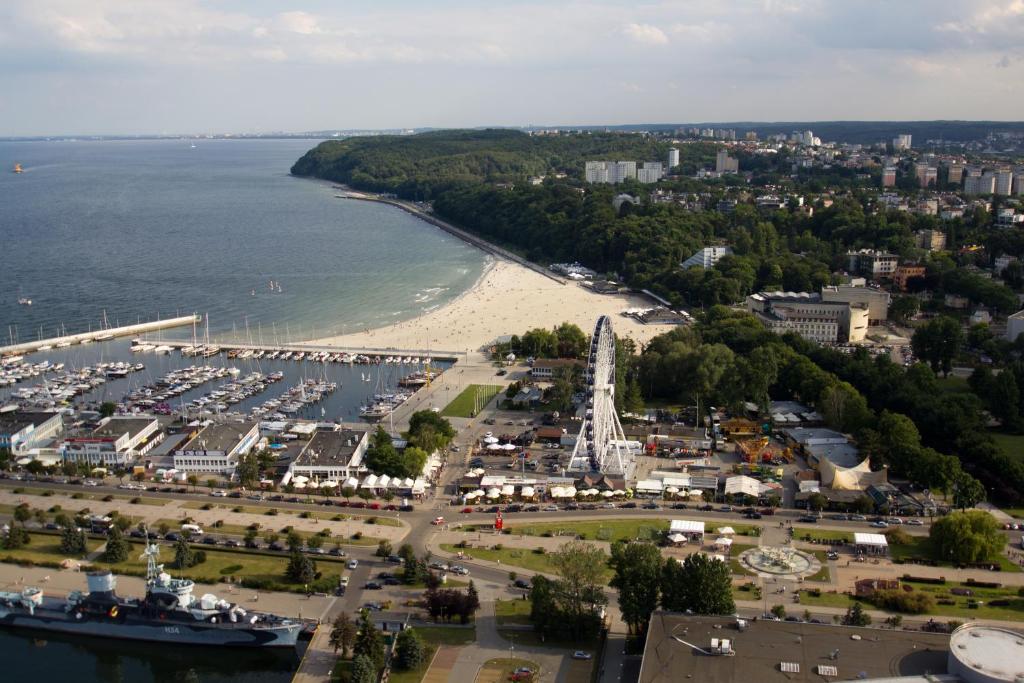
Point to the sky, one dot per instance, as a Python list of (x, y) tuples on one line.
[(209, 66)]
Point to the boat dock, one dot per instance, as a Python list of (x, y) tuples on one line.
[(99, 335), (307, 349)]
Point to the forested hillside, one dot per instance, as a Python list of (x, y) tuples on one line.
[(424, 166)]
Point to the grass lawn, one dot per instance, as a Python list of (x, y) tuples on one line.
[(822, 574), (825, 599), (512, 611), (415, 675), (268, 528), (920, 547), (734, 563), (514, 557), (43, 548), (441, 635), (499, 670), (1011, 444), (471, 400), (1013, 611), (220, 565), (381, 517), (953, 385), (801, 532), (1015, 512), (602, 530)]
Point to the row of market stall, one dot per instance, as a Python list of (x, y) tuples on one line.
[(372, 483)]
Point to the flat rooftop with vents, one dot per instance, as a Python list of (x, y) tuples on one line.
[(713, 650)]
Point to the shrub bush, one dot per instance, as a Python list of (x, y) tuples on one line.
[(898, 601)]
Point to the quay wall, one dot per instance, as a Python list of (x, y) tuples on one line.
[(126, 330), (318, 347)]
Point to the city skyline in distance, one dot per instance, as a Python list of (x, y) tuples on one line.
[(107, 67)]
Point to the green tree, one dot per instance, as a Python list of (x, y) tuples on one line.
[(844, 408), (817, 502), (856, 616), (17, 537), (382, 457), (778, 611), (699, 584), (314, 541), (967, 491), (248, 470), (183, 556), (384, 548), (369, 642), (117, 547), (937, 342), (72, 541), (967, 537), (193, 481), (22, 514), (294, 541), (571, 341), (429, 430), (637, 569), (406, 552), (343, 633), (578, 590), (300, 568), (363, 670), (107, 408), (409, 650)]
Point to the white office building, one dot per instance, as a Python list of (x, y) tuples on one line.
[(805, 313), (217, 448)]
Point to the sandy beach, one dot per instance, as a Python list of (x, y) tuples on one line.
[(508, 299)]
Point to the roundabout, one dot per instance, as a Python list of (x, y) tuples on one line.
[(779, 562)]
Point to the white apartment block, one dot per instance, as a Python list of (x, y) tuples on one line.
[(673, 158), (706, 258), (873, 264), (596, 172), (901, 142), (1004, 182), (651, 172), (725, 163)]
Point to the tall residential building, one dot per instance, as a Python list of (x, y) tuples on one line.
[(889, 176), (901, 142), (873, 264), (725, 163), (927, 175), (596, 172), (651, 172), (976, 182), (1018, 181), (673, 158), (1004, 182), (955, 173), (619, 171)]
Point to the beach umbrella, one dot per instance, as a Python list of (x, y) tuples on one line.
[(620, 493), (300, 485), (608, 494), (527, 492), (509, 447), (328, 484), (300, 479), (478, 493), (494, 447), (493, 493), (490, 440), (672, 489), (478, 472), (726, 530), (591, 492), (696, 494), (508, 490)]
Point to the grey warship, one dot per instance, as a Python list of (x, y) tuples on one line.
[(168, 613)]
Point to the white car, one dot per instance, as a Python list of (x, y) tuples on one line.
[(915, 522), (90, 482), (219, 494), (352, 564), (344, 581), (458, 569)]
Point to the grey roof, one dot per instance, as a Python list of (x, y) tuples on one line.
[(764, 646), (219, 437), (804, 434), (328, 449), (840, 454), (115, 427), (14, 422)]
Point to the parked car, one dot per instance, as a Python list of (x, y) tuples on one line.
[(352, 564), (651, 506), (857, 518), (809, 519), (880, 525), (915, 522), (210, 540), (580, 654), (550, 508), (337, 552), (628, 506), (438, 521), (521, 583)]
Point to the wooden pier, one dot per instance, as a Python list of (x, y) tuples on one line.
[(100, 335)]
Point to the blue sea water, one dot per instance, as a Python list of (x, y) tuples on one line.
[(140, 229)]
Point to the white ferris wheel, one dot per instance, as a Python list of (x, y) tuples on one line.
[(601, 445)]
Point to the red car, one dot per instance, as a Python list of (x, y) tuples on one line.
[(374, 506), (467, 510)]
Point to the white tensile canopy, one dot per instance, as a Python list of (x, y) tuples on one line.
[(687, 526), (300, 485), (491, 440), (877, 540), (608, 494), (570, 491), (620, 493), (352, 482), (592, 492), (672, 489), (527, 492), (509, 447), (494, 447), (726, 530), (677, 538), (384, 481), (493, 493), (508, 490), (407, 483), (370, 481), (723, 540), (300, 479)]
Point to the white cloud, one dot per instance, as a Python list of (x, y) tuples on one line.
[(645, 34), (299, 22)]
